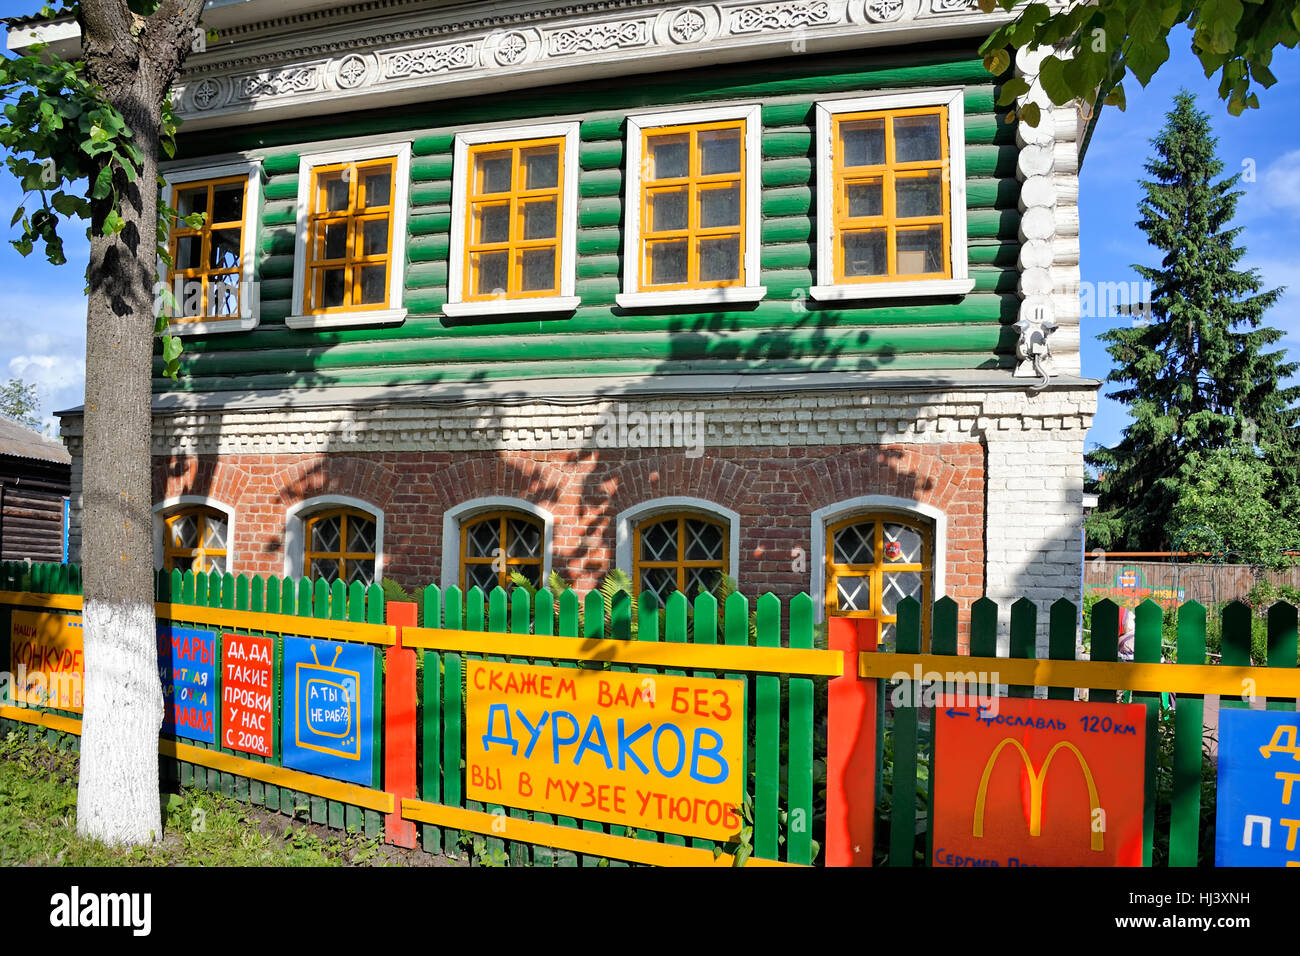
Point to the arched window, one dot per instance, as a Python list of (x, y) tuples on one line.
[(679, 552), (340, 544), (196, 539), (496, 544), (873, 562)]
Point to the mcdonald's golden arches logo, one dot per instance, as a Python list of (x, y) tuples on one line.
[(1037, 783)]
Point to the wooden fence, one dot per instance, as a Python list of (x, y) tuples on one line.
[(817, 786)]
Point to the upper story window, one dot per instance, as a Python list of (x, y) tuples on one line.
[(891, 197), (350, 260), (679, 552), (498, 544), (692, 208), (514, 221), (196, 539), (211, 275), (341, 544)]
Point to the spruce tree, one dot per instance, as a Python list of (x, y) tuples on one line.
[(1194, 366)]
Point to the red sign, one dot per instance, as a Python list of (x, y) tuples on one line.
[(247, 689), (1038, 783)]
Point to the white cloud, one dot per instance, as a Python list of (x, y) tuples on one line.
[(1281, 181)]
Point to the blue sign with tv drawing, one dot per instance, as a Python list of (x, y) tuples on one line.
[(1258, 815), (188, 671), (329, 718)]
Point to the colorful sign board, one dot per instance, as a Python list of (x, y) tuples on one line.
[(188, 671), (653, 752), (47, 662), (1130, 587), (1038, 783), (248, 693), (329, 709), (1258, 806)]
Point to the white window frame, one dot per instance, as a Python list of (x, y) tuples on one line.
[(295, 530), (395, 312), (750, 291), (960, 283), (249, 299), (166, 508), (626, 523), (454, 519), (567, 300)]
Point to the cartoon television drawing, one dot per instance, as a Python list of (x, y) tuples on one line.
[(329, 708)]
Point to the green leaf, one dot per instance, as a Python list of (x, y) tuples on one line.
[(113, 223), (171, 346), (1031, 115), (18, 214), (103, 183), (1011, 89), (997, 62)]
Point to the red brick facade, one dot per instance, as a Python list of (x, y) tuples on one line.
[(775, 489)]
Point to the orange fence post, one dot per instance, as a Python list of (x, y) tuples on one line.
[(399, 726), (851, 748)]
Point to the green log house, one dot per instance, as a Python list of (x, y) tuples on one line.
[(770, 289)]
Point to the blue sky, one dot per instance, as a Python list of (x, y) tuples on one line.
[(42, 312)]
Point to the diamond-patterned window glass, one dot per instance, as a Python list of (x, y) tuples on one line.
[(498, 544), (872, 563), (342, 544), (195, 540), (681, 552)]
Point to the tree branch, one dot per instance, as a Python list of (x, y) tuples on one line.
[(105, 21)]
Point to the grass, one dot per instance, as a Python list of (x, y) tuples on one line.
[(38, 815)]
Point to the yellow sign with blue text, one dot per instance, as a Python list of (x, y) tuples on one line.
[(47, 667), (648, 751)]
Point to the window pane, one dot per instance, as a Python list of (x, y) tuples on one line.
[(866, 198), (377, 188), (493, 223), (525, 539), (668, 262), (336, 241), (706, 579), (542, 168), (325, 568), (185, 532), (480, 575), (540, 219), (669, 156), (895, 587), (223, 295), (920, 250), (863, 142), (864, 253), (361, 535), (374, 285), (919, 195), (916, 139), (662, 581), (335, 190), (361, 570), (668, 210), (902, 544), (217, 562), (720, 207), (190, 201), (532, 572), (189, 252), (854, 593), (703, 541), (224, 249), (659, 541), (374, 237), (719, 152), (720, 259), (856, 544), (325, 535), (494, 172), (483, 539), (335, 286), (539, 269), (228, 203), (491, 270)]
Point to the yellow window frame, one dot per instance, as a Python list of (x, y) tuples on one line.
[(681, 565), (510, 564), (205, 273), (342, 555), (695, 183), (876, 571), (198, 557), (889, 173), (516, 198), (354, 218)]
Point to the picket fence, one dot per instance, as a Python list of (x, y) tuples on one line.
[(818, 723)]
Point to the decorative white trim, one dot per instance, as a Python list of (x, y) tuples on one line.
[(959, 284), (637, 123), (295, 525), (453, 518), (162, 510), (249, 294), (874, 504), (567, 300), (394, 313), (627, 520)]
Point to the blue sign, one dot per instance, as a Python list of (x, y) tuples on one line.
[(187, 668), (329, 709), (1258, 817)]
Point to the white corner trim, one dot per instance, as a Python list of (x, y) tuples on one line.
[(719, 296), (161, 512), (954, 100), (249, 297), (453, 518), (910, 289), (626, 522), (751, 174), (906, 507), (456, 305), (512, 306), (295, 525), (401, 151)]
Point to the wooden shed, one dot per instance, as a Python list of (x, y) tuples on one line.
[(35, 475)]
